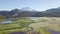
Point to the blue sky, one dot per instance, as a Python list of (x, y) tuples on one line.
[(40, 5)]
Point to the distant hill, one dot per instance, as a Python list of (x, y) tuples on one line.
[(29, 12), (7, 13), (55, 12)]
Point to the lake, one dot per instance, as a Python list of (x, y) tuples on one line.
[(6, 21)]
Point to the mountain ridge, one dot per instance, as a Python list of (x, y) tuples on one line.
[(29, 12)]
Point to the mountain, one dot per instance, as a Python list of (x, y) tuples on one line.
[(54, 12), (7, 13), (27, 9), (29, 12), (24, 12)]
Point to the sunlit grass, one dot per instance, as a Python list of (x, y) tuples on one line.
[(38, 26), (8, 26)]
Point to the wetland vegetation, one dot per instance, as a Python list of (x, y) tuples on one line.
[(31, 25)]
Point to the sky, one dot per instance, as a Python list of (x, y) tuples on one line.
[(39, 5)]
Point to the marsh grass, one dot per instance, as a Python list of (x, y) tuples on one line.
[(38, 26)]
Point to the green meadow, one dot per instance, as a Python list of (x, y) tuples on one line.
[(41, 25)]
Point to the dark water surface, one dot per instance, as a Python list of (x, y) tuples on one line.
[(54, 32)]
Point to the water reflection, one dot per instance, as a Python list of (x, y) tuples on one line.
[(7, 21)]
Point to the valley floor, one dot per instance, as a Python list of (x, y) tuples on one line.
[(41, 25)]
